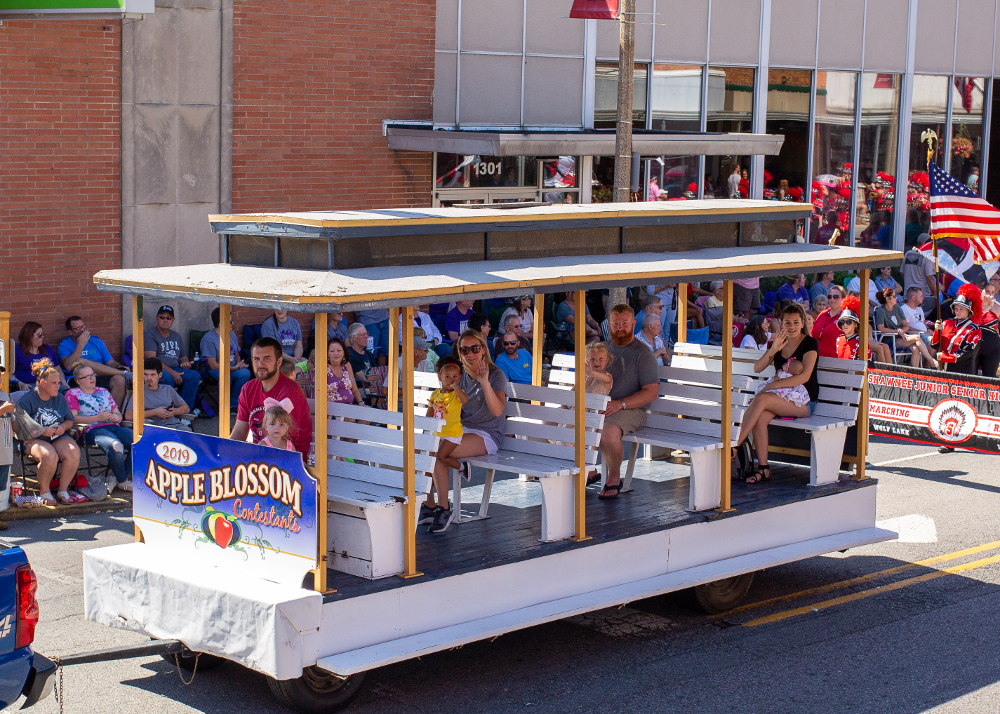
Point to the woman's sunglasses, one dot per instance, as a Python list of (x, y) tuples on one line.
[(474, 349)]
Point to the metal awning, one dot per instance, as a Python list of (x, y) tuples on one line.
[(367, 288), (425, 221), (75, 9), (578, 143)]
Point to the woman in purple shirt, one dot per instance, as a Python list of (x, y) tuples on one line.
[(30, 349)]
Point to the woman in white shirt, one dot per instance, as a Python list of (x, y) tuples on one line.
[(757, 336), (521, 308)]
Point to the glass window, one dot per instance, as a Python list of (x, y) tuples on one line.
[(457, 171), (877, 170), (603, 179), (675, 104), (788, 114), (833, 154), (967, 130), (930, 109), (560, 174), (606, 96), (730, 110)]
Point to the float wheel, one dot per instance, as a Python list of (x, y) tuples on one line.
[(317, 691)]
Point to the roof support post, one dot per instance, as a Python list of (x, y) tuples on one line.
[(537, 339), (7, 361), (224, 369), (682, 313), (393, 380), (580, 417), (862, 421), (409, 459), (138, 409), (725, 503), (320, 398)]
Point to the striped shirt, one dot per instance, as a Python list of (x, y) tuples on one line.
[(6, 434)]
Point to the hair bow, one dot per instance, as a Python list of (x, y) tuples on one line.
[(285, 404)]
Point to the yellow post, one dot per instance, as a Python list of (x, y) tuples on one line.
[(579, 418), (138, 385), (682, 313), (537, 330), (393, 380), (225, 370), (409, 450), (8, 363), (862, 422), (725, 504), (321, 436)]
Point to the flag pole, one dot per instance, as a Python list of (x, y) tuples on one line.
[(930, 136)]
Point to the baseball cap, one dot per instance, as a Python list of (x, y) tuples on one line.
[(165, 309), (419, 343)]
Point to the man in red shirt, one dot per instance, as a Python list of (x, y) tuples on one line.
[(274, 387)]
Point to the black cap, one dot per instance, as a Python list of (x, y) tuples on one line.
[(165, 309)]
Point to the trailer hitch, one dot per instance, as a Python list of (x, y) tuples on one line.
[(143, 649)]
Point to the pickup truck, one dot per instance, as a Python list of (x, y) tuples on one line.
[(22, 671)]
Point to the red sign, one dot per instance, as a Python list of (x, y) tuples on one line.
[(883, 81), (595, 9)]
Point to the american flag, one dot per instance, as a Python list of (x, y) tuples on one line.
[(958, 212)]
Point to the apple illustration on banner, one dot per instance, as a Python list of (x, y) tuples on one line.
[(221, 528)]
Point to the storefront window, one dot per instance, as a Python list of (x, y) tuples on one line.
[(559, 175), (603, 179), (930, 109), (877, 170), (675, 104), (967, 130), (457, 171), (833, 154), (730, 110), (788, 114), (606, 96)]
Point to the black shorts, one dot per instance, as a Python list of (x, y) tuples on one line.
[(745, 298)]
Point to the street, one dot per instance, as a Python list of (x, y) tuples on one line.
[(907, 626)]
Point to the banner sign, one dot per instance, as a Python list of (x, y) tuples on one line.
[(934, 407), (226, 502), (594, 9)]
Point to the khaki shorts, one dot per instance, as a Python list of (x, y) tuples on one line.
[(628, 420)]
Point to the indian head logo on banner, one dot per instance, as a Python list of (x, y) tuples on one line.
[(595, 9)]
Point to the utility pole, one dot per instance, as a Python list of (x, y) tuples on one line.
[(623, 135)]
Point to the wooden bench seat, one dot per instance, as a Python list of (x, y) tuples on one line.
[(365, 496), (539, 443), (686, 416), (840, 385)]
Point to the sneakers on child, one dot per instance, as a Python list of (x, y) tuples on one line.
[(467, 471), (442, 519), (426, 515), (126, 485)]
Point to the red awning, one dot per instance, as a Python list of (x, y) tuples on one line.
[(595, 9)]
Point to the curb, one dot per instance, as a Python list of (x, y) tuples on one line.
[(15, 513)]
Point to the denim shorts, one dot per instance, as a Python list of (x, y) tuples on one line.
[(812, 408)]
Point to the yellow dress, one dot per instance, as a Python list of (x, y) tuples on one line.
[(445, 405)]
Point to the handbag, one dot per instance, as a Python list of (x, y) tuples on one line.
[(26, 428)]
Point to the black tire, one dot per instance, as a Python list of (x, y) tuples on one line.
[(722, 595), (317, 691), (185, 660)]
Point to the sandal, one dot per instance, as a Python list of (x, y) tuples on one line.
[(761, 473), (603, 495), (593, 478), (47, 500), (65, 500)]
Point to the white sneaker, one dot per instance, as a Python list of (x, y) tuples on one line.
[(126, 485)]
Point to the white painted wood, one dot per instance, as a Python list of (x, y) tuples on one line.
[(826, 450), (423, 441), (434, 640), (556, 415), (705, 491), (563, 434), (377, 475), (349, 536), (557, 508), (554, 397)]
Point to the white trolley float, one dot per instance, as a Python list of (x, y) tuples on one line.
[(231, 559)]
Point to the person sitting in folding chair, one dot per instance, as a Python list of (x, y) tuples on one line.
[(890, 322), (95, 408)]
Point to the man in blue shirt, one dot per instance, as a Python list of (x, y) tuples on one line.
[(515, 363), (81, 346)]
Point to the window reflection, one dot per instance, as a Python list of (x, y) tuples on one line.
[(730, 109), (606, 96), (675, 105), (967, 130), (833, 154), (930, 109), (878, 145), (457, 171), (788, 93)]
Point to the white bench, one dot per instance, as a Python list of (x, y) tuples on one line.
[(539, 443), (365, 498), (686, 416), (840, 385)]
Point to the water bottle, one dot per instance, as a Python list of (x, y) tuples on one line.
[(197, 356)]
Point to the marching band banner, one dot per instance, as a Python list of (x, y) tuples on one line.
[(226, 503), (934, 407)]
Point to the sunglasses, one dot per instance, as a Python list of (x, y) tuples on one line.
[(474, 349), (87, 376), (510, 343), (834, 297)]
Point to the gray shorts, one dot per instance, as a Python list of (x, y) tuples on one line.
[(745, 298), (628, 420)]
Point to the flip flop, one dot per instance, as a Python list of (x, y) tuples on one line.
[(616, 488), (65, 500), (594, 478), (48, 500)]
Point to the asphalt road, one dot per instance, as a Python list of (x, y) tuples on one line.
[(832, 634)]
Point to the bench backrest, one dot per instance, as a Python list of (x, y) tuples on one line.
[(540, 420), (690, 399), (362, 434), (840, 380)]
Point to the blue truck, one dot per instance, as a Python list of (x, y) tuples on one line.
[(22, 671)]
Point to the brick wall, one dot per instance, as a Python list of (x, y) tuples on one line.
[(312, 82), (60, 196)]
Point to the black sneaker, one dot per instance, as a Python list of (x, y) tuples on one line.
[(467, 471), (945, 450), (426, 515), (442, 519), (434, 517)]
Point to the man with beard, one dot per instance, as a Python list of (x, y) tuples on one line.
[(636, 384), (271, 388)]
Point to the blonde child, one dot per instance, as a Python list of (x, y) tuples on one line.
[(446, 403), (598, 379), (277, 422)]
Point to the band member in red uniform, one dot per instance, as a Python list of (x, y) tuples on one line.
[(849, 321), (958, 340), (988, 355)]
